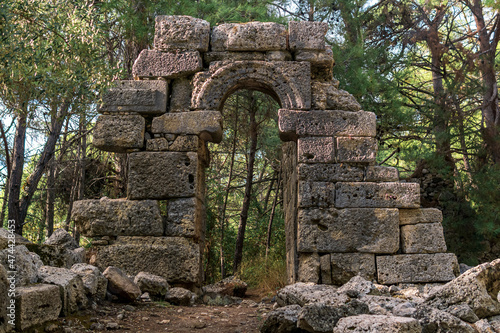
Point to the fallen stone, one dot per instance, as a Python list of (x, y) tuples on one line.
[(282, 320), (120, 285), (345, 266), (330, 172), (423, 238), (180, 32), (420, 215), (94, 282), (180, 296), (303, 293), (36, 305), (57, 256), (304, 35), (316, 150), (434, 320), (15, 239), (167, 65), (62, 238), (380, 195), (117, 217), (377, 324), (230, 286), (377, 173), (26, 264), (384, 305), (155, 285), (483, 326), (119, 134), (356, 150), (251, 36), (358, 286)]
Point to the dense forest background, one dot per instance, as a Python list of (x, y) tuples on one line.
[(426, 68)]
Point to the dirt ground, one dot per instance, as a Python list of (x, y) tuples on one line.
[(143, 317)]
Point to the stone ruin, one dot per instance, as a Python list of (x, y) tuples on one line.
[(345, 215)]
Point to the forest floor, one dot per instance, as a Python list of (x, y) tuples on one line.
[(143, 317)]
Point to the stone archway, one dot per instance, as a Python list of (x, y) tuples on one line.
[(344, 214)]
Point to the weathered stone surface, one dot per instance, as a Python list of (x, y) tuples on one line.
[(478, 288), (357, 286), (62, 238), (423, 238), (180, 296), (227, 57), (434, 320), (58, 256), (119, 134), (230, 286), (278, 56), (348, 230), (162, 175), (94, 282), (120, 285), (70, 287), (316, 150), (383, 195), (251, 36), (345, 266), (309, 268), (180, 99), (7, 237), (5, 285), (322, 59), (330, 172), (377, 324), (294, 124), (175, 258), (36, 304), (195, 122), (26, 264), (181, 218), (180, 32), (323, 316), (327, 96), (155, 285), (420, 215), (325, 263), (304, 35), (416, 268), (356, 149), (183, 143), (286, 81), (117, 217), (282, 320), (303, 293), (168, 65), (145, 97), (377, 173)]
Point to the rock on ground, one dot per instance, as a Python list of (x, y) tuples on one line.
[(94, 282), (120, 285), (26, 264), (180, 296), (377, 324), (62, 238), (155, 285), (282, 320)]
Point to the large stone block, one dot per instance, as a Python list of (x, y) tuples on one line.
[(356, 150), (36, 304), (182, 91), (345, 266), (348, 230), (330, 172), (416, 268), (318, 59), (377, 173), (383, 195), (162, 175), (316, 194), (168, 65), (377, 323), (181, 217), (180, 143), (316, 150), (117, 217), (177, 259), (251, 36), (119, 134), (294, 124), (423, 238), (304, 35), (194, 122), (145, 97), (57, 256), (179, 32), (420, 215), (309, 268), (26, 264), (327, 96)]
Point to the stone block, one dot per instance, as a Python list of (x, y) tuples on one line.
[(423, 238), (320, 59), (57, 256), (417, 268), (177, 259), (180, 32), (251, 36), (226, 57), (119, 134), (180, 99), (27, 264), (145, 97), (356, 150), (383, 195), (348, 230), (330, 172), (183, 143), (326, 269), (157, 144), (120, 285), (420, 215), (36, 305), (316, 194), (345, 266), (304, 35), (162, 175), (278, 56), (168, 65), (309, 268), (117, 217), (294, 124), (181, 217), (194, 122), (316, 150), (375, 173), (327, 96), (377, 323), (94, 282)]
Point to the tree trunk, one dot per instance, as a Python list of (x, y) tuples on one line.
[(49, 209)]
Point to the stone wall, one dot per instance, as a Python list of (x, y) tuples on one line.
[(344, 215)]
